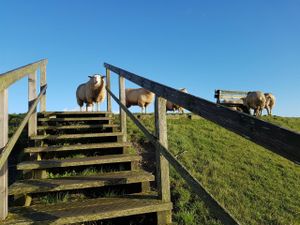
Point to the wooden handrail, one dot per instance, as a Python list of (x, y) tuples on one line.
[(12, 141), (195, 185), (277, 139), (10, 77)]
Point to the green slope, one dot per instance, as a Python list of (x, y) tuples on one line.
[(256, 185)]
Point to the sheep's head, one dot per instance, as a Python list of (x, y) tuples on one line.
[(96, 79)]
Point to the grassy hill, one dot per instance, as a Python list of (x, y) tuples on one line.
[(256, 185)]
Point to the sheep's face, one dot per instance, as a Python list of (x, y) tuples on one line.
[(96, 79)]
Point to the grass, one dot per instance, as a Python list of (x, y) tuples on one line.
[(254, 184)]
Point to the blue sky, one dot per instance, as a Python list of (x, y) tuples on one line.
[(200, 45)]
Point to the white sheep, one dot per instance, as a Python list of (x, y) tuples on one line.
[(170, 106), (270, 102), (138, 96), (91, 91), (255, 100)]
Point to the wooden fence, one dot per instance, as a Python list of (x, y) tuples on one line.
[(277, 139), (6, 146)]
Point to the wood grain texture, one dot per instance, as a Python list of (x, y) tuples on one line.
[(74, 136), (96, 160), (3, 142), (75, 147), (43, 83), (10, 77), (85, 210), (108, 86), (277, 139), (78, 182), (122, 98)]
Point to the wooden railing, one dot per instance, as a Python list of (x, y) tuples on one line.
[(6, 146), (277, 139)]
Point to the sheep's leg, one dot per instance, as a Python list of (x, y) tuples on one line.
[(86, 108)]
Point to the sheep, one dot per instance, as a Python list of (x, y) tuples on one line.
[(138, 96), (91, 91), (170, 106), (255, 100), (270, 102)]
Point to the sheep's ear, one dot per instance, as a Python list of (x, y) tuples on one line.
[(90, 76), (103, 76)]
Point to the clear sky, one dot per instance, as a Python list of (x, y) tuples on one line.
[(201, 45)]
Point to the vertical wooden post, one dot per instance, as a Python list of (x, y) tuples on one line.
[(108, 86), (122, 112), (3, 142), (162, 165), (32, 123), (43, 83)]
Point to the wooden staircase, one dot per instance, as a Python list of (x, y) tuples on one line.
[(78, 169)]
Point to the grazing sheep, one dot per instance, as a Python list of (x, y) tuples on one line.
[(270, 102), (91, 91), (170, 106), (255, 100), (138, 96)]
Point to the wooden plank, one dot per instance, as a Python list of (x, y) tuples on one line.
[(43, 83), (32, 95), (77, 127), (122, 98), (108, 86), (277, 139), (74, 119), (74, 136), (162, 164), (3, 142), (12, 141), (77, 113), (78, 182), (71, 162), (214, 205), (85, 210), (76, 147), (10, 77)]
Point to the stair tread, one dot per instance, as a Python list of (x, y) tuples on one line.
[(78, 182), (86, 210), (74, 113), (56, 148), (54, 163), (82, 126), (74, 136), (73, 119)]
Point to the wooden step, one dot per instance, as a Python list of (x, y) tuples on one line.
[(74, 119), (85, 210), (70, 162), (79, 182), (74, 136), (51, 113), (76, 147), (82, 126)]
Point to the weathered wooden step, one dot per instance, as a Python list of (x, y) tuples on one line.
[(70, 162), (67, 119), (78, 182), (74, 136), (51, 113), (82, 126), (86, 210), (76, 147)]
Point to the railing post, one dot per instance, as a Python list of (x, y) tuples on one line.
[(108, 86), (122, 112), (162, 165), (32, 123), (43, 83), (3, 142)]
